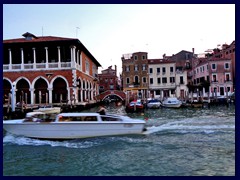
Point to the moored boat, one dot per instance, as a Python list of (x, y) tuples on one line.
[(73, 125), (153, 103), (135, 106), (48, 109), (172, 102)]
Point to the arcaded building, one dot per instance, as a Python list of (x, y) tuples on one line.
[(48, 69)]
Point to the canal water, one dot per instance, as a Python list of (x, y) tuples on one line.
[(178, 142)]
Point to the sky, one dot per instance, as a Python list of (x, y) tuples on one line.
[(110, 30)]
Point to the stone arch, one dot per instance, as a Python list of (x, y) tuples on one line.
[(53, 79), (59, 90), (7, 86), (112, 94), (41, 94), (34, 81), (80, 89), (23, 86), (83, 90)]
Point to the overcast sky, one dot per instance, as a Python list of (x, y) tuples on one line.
[(109, 31)]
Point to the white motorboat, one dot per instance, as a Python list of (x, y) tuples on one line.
[(48, 109), (172, 102), (153, 103), (73, 125)]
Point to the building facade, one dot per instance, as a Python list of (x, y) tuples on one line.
[(48, 69), (108, 80), (221, 76), (165, 81), (135, 75)]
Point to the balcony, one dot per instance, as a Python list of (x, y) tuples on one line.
[(228, 81), (214, 82), (36, 66)]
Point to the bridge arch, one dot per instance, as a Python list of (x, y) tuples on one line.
[(103, 95)]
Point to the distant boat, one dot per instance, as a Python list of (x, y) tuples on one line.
[(73, 125), (172, 102), (48, 109), (135, 106), (153, 103)]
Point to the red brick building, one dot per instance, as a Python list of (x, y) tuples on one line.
[(48, 69), (108, 80)]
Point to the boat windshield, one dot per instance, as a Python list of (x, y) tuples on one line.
[(77, 118), (154, 101), (110, 118), (40, 118)]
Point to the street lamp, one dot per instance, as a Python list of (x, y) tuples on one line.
[(13, 100)]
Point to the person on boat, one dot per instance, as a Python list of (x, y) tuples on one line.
[(102, 110)]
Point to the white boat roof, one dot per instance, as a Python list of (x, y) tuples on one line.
[(29, 114), (79, 114), (172, 99)]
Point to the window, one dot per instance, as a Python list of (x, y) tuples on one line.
[(181, 80), (127, 80), (159, 80), (227, 77), (136, 68), (87, 66), (187, 65), (172, 79), (214, 67), (127, 68), (215, 90), (221, 91), (163, 70), (158, 70), (144, 67), (151, 80), (135, 57), (150, 70), (136, 80), (171, 69), (226, 65), (143, 57), (106, 80), (144, 79), (164, 80), (228, 89), (111, 87), (214, 78)]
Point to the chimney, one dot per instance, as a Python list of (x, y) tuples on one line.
[(193, 51), (115, 69)]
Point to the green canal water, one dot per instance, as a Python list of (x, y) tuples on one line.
[(178, 142)]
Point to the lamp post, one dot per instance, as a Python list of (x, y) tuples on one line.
[(13, 100)]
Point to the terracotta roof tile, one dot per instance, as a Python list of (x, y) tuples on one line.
[(159, 61), (39, 39)]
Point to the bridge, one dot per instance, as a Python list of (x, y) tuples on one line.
[(105, 94)]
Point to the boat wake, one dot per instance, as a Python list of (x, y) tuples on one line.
[(20, 140), (190, 126)]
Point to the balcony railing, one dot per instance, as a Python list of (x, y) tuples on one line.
[(37, 66)]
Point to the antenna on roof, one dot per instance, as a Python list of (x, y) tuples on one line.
[(77, 31)]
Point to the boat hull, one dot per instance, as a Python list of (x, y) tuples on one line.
[(172, 105), (71, 130)]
